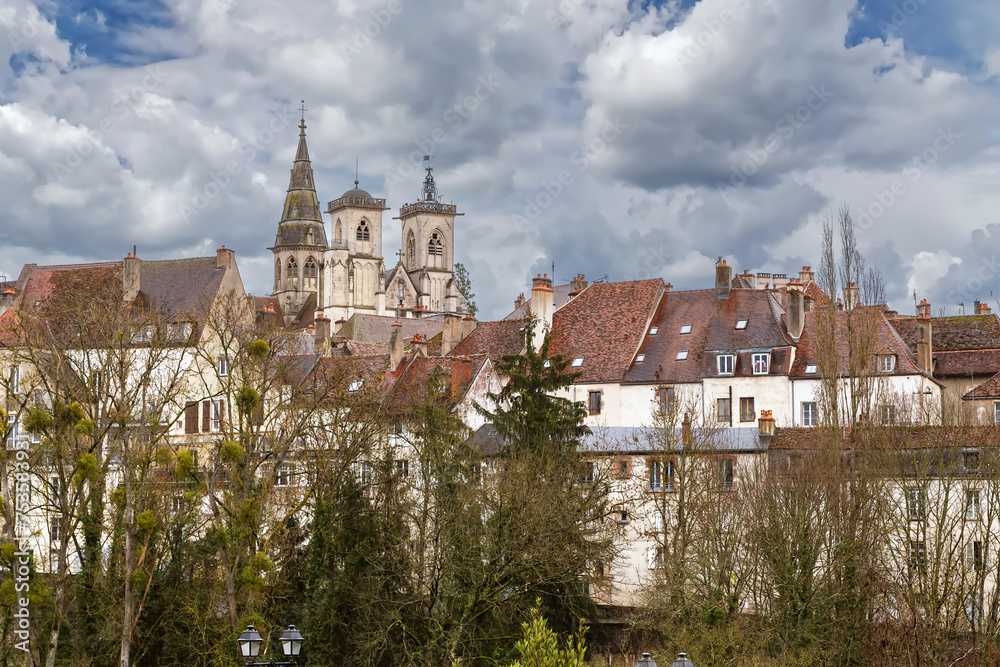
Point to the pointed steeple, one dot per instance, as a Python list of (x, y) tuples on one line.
[(301, 202)]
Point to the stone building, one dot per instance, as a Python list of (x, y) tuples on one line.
[(344, 273)]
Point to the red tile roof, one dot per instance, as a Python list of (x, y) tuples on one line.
[(414, 383), (560, 295), (494, 338), (378, 328), (605, 324), (988, 389), (888, 342), (966, 363), (961, 332), (693, 307), (899, 437)]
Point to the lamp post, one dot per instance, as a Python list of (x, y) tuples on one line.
[(682, 660), (250, 643)]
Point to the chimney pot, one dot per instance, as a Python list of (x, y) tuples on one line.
[(224, 258), (131, 277), (723, 280)]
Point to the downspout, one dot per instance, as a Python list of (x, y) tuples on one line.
[(732, 408)]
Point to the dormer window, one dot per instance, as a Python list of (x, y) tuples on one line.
[(811, 369), (761, 362), (354, 386), (685, 329), (577, 362), (640, 358), (681, 355), (364, 233), (654, 330), (726, 363), (887, 363), (741, 325)]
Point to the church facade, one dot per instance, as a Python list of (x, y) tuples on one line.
[(343, 273)]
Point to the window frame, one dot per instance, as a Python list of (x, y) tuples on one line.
[(577, 362), (727, 416), (682, 355), (624, 468), (765, 357), (725, 359), (916, 505), (741, 324), (685, 330), (813, 408), (666, 397), (746, 416), (595, 402), (725, 474), (639, 358), (973, 504), (887, 363), (660, 475)]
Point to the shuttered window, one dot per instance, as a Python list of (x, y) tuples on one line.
[(191, 417)]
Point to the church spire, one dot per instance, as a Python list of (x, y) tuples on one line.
[(301, 202)]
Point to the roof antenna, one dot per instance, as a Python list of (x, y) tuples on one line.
[(133, 251)]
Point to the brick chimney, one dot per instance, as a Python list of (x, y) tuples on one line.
[(851, 296), (451, 335), (763, 281), (977, 307), (984, 309), (795, 316), (723, 280), (466, 369), (542, 301), (750, 278), (780, 280), (469, 325), (806, 274), (338, 325), (765, 427), (419, 345), (667, 287), (456, 377), (396, 346), (131, 268), (577, 285), (686, 431), (225, 258), (519, 301), (322, 340), (925, 342)]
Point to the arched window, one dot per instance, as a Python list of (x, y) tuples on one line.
[(364, 234), (309, 273), (338, 232), (411, 251), (291, 272), (310, 237), (434, 246)]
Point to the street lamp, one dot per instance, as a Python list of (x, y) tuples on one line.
[(250, 642), (682, 660), (645, 661)]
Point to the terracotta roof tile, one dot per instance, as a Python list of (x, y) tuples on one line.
[(962, 363), (378, 328), (414, 381), (961, 332), (988, 389), (605, 324), (560, 295), (494, 338), (888, 342), (660, 364), (902, 437)]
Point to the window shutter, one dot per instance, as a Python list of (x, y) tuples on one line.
[(970, 555), (222, 413), (191, 417), (206, 416)]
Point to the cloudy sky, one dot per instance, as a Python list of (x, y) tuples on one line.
[(618, 139)]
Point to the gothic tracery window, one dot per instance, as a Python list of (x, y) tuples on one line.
[(309, 273), (364, 234), (434, 246), (291, 272)]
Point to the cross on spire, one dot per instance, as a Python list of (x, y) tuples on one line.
[(302, 125)]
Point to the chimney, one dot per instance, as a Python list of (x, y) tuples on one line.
[(224, 258), (542, 301), (131, 268), (807, 304), (850, 296), (750, 278), (686, 431), (322, 340), (469, 325), (984, 309), (667, 287), (806, 274), (396, 346), (976, 306), (780, 280), (519, 301), (925, 343), (466, 369), (763, 281), (419, 345), (456, 377), (723, 280), (6, 300), (577, 285), (765, 425), (451, 336), (840, 304), (338, 325), (796, 312)]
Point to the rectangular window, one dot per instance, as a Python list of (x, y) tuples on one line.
[(55, 531), (918, 556), (666, 400), (594, 402), (367, 473), (640, 358), (655, 475), (724, 409), (218, 415), (975, 556), (655, 557), (724, 470), (809, 414), (402, 468), (741, 325), (747, 413), (887, 363), (177, 503), (660, 522), (916, 504), (577, 362), (681, 355), (668, 475), (223, 367), (284, 477), (761, 363), (973, 506), (654, 330), (726, 363), (623, 469), (996, 413), (622, 515), (685, 329), (970, 461), (887, 414), (589, 472), (811, 369)]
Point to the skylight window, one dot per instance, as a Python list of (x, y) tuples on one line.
[(741, 324), (811, 368), (685, 328), (654, 330), (640, 358), (682, 355), (577, 362), (354, 386)]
